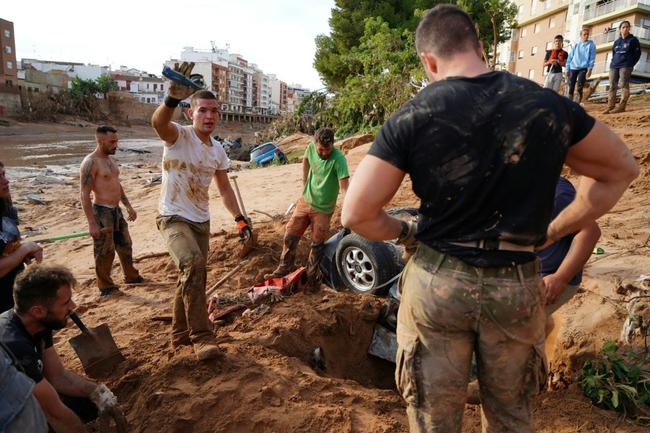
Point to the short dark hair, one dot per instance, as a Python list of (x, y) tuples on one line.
[(105, 129), (201, 94), (446, 30), (38, 284), (558, 37), (324, 137)]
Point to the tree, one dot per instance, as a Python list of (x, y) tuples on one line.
[(106, 84), (495, 20), (81, 87), (347, 27)]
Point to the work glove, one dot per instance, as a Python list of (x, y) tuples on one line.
[(103, 398), (244, 228), (407, 239), (177, 90)]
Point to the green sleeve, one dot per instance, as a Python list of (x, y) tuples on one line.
[(342, 167)]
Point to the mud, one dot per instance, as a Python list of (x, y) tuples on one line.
[(267, 380)]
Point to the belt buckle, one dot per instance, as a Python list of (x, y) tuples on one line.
[(490, 244)]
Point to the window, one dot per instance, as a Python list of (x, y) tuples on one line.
[(519, 74), (576, 8), (7, 34), (549, 45), (521, 54), (7, 49), (551, 22), (645, 23), (536, 28), (524, 32), (533, 51), (10, 65), (531, 74)]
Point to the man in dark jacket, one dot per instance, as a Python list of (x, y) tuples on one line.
[(625, 54)]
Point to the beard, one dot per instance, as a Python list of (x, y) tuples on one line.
[(53, 323)]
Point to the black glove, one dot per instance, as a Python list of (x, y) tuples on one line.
[(244, 227)]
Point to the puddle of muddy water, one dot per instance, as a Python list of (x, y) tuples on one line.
[(64, 157)]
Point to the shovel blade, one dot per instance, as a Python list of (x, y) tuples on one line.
[(248, 245), (97, 351)]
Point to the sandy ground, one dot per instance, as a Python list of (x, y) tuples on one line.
[(265, 381)]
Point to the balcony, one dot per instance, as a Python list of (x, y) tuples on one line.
[(612, 6), (603, 68), (541, 9), (611, 36)]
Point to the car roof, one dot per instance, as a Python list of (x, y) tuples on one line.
[(262, 145)]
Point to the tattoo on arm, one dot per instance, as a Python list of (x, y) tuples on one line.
[(87, 173)]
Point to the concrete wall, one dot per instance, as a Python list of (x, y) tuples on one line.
[(10, 104)]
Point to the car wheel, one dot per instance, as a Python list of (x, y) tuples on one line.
[(364, 266)]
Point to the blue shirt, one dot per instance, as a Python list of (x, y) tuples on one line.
[(625, 52), (582, 56), (553, 255), (15, 389)]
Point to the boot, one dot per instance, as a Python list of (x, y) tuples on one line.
[(611, 101), (314, 274), (206, 350), (287, 258), (625, 95)]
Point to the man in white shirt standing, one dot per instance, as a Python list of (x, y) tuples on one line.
[(191, 159)]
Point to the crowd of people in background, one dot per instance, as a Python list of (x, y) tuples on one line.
[(579, 62)]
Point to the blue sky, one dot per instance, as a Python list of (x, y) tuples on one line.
[(278, 35)]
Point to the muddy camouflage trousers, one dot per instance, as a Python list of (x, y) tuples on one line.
[(114, 238), (187, 243), (450, 310)]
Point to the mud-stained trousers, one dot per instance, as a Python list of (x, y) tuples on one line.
[(303, 216), (450, 310), (187, 243), (619, 78), (113, 238)]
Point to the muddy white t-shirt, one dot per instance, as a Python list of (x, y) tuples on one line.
[(187, 170)]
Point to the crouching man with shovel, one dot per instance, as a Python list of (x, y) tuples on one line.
[(191, 159), (43, 303)]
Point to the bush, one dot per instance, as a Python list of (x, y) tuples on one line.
[(617, 382)]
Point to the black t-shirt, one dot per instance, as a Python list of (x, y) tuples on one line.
[(9, 234), (27, 349), (484, 155)]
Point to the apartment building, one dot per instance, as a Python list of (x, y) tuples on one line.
[(539, 21), (8, 65), (295, 93)]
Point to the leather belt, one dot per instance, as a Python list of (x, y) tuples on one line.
[(495, 244)]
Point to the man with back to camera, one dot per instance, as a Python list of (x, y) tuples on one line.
[(43, 302), (100, 176), (191, 159), (484, 162)]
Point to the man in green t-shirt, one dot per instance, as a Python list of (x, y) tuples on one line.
[(324, 171)]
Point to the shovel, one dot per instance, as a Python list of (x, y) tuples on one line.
[(95, 348), (248, 243)]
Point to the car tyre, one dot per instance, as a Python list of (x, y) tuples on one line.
[(365, 266)]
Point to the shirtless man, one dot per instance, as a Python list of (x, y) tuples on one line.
[(107, 226)]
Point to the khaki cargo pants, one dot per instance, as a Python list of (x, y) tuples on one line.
[(114, 237), (187, 243), (450, 310)]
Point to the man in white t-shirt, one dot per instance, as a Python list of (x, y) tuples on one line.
[(191, 159)]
